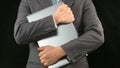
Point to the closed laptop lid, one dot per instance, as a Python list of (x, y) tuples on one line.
[(65, 33), (43, 13)]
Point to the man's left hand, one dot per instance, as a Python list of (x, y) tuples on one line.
[(49, 54)]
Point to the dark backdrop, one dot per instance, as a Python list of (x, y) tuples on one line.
[(107, 56), (11, 54)]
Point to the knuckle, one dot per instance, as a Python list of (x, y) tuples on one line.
[(65, 4), (42, 61), (40, 54), (46, 64), (44, 55)]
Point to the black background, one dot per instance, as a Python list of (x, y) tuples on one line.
[(107, 56), (11, 54)]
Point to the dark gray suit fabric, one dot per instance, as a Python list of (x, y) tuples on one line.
[(86, 23)]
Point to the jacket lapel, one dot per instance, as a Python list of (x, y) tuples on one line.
[(45, 3), (68, 2)]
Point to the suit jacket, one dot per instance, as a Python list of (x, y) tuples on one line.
[(86, 23)]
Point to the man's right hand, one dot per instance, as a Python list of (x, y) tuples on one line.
[(64, 14)]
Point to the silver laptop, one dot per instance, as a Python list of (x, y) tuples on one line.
[(43, 13), (65, 32)]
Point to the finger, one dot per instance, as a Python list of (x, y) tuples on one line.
[(42, 57), (42, 48), (39, 49), (68, 8), (41, 53), (42, 61), (73, 19), (46, 64), (65, 5)]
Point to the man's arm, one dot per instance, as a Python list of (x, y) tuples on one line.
[(25, 32), (91, 39)]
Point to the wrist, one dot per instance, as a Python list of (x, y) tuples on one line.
[(56, 17), (61, 51), (57, 21)]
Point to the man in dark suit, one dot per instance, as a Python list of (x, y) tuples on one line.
[(81, 12)]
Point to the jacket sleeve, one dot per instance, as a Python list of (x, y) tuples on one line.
[(25, 32), (91, 39)]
